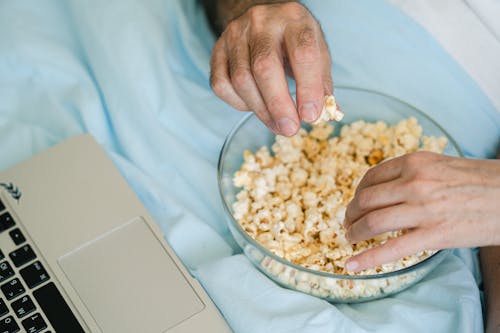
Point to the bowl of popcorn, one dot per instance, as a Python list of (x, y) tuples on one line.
[(285, 197)]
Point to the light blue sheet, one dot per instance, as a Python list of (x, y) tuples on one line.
[(135, 75)]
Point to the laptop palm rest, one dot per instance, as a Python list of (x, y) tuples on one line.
[(130, 258)]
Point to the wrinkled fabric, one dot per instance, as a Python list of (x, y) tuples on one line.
[(134, 74)]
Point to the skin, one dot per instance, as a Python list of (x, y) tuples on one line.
[(450, 203), (254, 53), (443, 202)]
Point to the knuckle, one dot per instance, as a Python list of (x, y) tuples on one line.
[(218, 85), (255, 10), (262, 65), (256, 14), (232, 30), (416, 159), (295, 10), (372, 224), (364, 198), (306, 36), (419, 188), (414, 165), (306, 54), (261, 48), (240, 78)]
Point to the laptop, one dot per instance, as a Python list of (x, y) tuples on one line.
[(80, 253)]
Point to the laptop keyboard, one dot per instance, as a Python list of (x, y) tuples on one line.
[(29, 300)]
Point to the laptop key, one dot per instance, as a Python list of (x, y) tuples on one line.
[(3, 308), (34, 274), (22, 255), (23, 306), (2, 206), (34, 323), (56, 309), (1, 255), (8, 325), (17, 236), (6, 221), (5, 271), (12, 289)]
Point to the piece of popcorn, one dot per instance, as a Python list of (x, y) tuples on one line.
[(321, 131), (433, 144), (242, 178), (330, 110)]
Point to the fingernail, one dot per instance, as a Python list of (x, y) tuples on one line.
[(286, 126), (308, 111), (352, 265)]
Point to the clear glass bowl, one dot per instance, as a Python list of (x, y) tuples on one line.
[(251, 134)]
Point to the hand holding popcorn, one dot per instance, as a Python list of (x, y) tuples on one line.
[(443, 202), (259, 45)]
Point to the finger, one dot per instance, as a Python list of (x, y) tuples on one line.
[(398, 217), (220, 80), (383, 172), (392, 250), (244, 83), (374, 197), (327, 67), (304, 54), (268, 71)]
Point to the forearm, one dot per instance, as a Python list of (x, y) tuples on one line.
[(221, 12), (490, 267)]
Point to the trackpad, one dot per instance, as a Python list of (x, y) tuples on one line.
[(129, 283)]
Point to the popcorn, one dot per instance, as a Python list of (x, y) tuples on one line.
[(293, 200), (330, 110)]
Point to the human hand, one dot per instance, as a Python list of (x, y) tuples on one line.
[(251, 57), (443, 202)]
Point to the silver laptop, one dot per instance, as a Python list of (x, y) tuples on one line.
[(80, 253)]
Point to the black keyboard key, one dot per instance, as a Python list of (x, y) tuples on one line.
[(6, 221), (56, 309), (34, 323), (8, 325), (5, 271), (3, 308), (12, 289), (1, 255), (17, 236), (2, 206), (22, 255), (23, 306), (34, 274)]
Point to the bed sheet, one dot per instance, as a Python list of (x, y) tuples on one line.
[(134, 74)]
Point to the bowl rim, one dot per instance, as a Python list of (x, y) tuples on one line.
[(268, 253)]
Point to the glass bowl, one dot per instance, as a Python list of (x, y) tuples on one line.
[(251, 134)]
